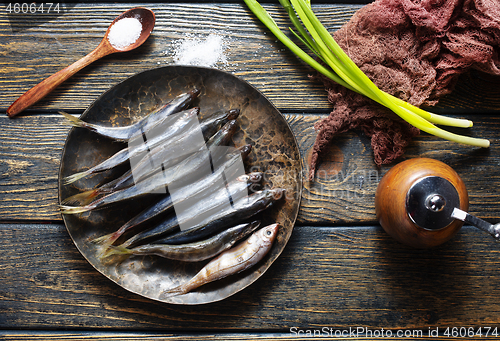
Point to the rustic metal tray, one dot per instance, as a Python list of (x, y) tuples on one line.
[(275, 152)]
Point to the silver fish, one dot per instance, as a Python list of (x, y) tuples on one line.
[(197, 189), (188, 170), (125, 133), (192, 252), (230, 262), (182, 120), (241, 209), (196, 211), (208, 126)]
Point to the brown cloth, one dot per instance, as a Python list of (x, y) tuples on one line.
[(412, 49)]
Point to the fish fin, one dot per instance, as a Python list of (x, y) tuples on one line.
[(91, 195), (111, 251), (105, 243), (74, 209), (179, 290), (114, 254), (119, 250), (74, 177), (83, 198), (74, 121), (103, 239)]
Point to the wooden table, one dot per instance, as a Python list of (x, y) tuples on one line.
[(339, 272)]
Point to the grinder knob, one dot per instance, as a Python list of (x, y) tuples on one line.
[(415, 199)]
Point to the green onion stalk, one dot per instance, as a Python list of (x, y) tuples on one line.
[(342, 70)]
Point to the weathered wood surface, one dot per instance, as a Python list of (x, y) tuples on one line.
[(30, 53), (326, 277), (75, 336), (340, 269), (252, 53), (343, 191)]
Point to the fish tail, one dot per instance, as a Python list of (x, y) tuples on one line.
[(104, 244), (107, 241), (179, 290), (74, 177), (74, 121), (116, 251), (74, 209), (114, 254), (103, 240), (195, 282), (90, 198), (83, 198)]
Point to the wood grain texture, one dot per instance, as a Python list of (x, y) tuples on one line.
[(251, 52), (307, 335), (343, 191), (30, 152), (30, 53), (327, 277), (339, 270)]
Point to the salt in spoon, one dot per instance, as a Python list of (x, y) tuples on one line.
[(147, 19)]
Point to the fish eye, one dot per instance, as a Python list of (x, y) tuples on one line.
[(268, 232)]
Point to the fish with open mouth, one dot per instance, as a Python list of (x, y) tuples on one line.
[(232, 261)]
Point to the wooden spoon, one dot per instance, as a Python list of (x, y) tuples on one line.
[(147, 19)]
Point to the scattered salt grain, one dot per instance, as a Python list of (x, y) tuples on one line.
[(124, 32), (199, 51)]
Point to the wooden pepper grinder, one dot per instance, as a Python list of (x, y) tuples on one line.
[(415, 200)]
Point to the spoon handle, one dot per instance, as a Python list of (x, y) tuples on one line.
[(43, 88)]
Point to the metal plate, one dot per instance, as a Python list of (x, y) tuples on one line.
[(275, 152)]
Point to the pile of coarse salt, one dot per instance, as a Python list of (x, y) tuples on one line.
[(199, 51), (124, 32)]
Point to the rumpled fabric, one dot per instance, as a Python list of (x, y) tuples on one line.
[(412, 49)]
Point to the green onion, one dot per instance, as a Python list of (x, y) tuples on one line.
[(342, 70)]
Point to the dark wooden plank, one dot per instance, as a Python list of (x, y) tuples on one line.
[(334, 277), (343, 191), (252, 53), (475, 93), (326, 277), (30, 156), (30, 55), (304, 334)]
